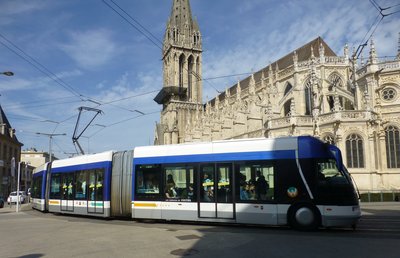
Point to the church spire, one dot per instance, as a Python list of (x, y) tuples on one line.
[(182, 29), (398, 49), (372, 53), (182, 54), (182, 74)]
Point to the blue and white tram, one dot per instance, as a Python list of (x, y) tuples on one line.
[(298, 181), (39, 183), (81, 185)]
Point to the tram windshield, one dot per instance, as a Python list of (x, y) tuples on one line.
[(327, 170)]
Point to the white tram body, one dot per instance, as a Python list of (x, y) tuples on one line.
[(296, 181), (267, 212), (68, 196)]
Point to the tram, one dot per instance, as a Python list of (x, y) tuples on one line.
[(296, 181)]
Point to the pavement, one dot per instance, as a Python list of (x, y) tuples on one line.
[(51, 235), (13, 208)]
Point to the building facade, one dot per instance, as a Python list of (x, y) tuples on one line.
[(10, 151), (352, 103), (35, 158)]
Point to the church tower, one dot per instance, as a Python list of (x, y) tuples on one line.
[(181, 94)]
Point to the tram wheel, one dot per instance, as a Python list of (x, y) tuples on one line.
[(304, 216)]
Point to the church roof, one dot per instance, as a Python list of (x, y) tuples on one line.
[(303, 54)]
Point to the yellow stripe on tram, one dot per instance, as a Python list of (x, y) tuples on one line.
[(54, 202), (144, 204)]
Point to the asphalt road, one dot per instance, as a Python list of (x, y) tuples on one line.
[(30, 234)]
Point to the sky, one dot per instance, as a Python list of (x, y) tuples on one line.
[(67, 54)]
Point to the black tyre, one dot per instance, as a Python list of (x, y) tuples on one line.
[(304, 216)]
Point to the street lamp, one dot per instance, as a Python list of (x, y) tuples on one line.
[(7, 73), (51, 135)]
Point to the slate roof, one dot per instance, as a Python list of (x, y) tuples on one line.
[(303, 54)]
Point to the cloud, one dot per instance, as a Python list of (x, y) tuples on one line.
[(9, 10), (337, 23), (18, 7), (91, 49)]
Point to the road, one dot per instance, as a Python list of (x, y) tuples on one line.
[(32, 234)]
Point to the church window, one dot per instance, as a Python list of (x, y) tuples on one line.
[(181, 70), (288, 88), (354, 151), (392, 146), (388, 94), (286, 108), (335, 81), (329, 138), (308, 98), (190, 76), (331, 102)]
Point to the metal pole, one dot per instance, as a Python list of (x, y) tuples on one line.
[(50, 137), (19, 173), (26, 177)]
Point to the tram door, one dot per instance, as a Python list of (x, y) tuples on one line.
[(216, 191), (67, 192), (96, 201)]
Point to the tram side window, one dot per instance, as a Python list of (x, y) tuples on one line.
[(100, 184), (96, 178), (67, 186), (80, 193), (179, 184), (37, 187), (55, 192), (255, 182), (148, 180)]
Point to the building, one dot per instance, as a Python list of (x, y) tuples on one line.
[(181, 94), (35, 158), (311, 91), (10, 149)]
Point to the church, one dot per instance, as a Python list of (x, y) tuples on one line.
[(353, 104)]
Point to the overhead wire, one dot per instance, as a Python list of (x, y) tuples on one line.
[(14, 107), (137, 22), (43, 69), (40, 67), (374, 26), (123, 121), (37, 101), (129, 22), (158, 45)]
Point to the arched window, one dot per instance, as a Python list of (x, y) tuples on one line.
[(392, 146), (288, 88), (329, 138), (308, 98), (190, 76), (335, 81), (286, 108), (181, 70), (354, 151)]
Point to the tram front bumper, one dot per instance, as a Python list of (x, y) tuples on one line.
[(340, 216)]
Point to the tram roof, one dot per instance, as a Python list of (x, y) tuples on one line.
[(225, 146), (84, 159)]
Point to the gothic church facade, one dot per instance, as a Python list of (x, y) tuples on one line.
[(310, 91)]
